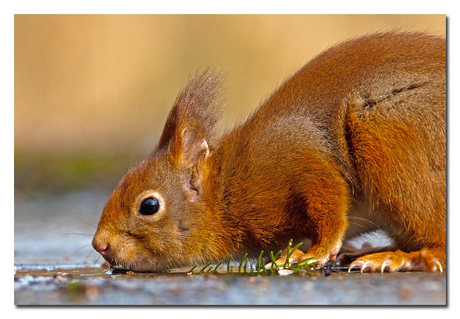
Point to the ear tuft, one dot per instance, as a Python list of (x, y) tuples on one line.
[(198, 106)]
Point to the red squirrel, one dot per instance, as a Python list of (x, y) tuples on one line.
[(354, 142)]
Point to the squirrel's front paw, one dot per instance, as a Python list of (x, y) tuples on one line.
[(295, 255), (317, 256), (299, 256), (397, 261)]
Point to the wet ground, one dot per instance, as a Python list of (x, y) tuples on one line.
[(93, 286), (55, 265)]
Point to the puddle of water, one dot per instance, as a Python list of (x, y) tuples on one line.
[(62, 271), (78, 271)]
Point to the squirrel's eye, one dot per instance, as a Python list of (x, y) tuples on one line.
[(149, 206)]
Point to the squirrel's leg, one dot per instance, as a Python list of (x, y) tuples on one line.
[(321, 206), (327, 202), (401, 164)]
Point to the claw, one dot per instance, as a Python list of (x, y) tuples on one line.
[(438, 264), (364, 266), (384, 264), (353, 264)]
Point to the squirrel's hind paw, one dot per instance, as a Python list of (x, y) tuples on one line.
[(390, 261)]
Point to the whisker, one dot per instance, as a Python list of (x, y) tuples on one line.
[(78, 250), (350, 222), (95, 262), (366, 220), (84, 261), (82, 221), (65, 234)]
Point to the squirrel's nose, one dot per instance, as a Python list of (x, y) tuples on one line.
[(101, 247)]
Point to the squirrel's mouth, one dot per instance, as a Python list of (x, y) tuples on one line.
[(141, 265), (115, 265), (117, 271)]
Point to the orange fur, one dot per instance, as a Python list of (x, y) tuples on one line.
[(359, 129)]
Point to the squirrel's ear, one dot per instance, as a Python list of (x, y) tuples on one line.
[(190, 151), (170, 128), (198, 107), (192, 147)]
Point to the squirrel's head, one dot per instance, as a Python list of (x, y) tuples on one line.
[(157, 219)]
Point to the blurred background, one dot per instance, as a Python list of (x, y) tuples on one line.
[(92, 93)]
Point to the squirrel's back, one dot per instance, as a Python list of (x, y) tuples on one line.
[(370, 75)]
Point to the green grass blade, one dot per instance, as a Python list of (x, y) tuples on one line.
[(215, 268), (273, 258), (190, 271), (228, 264), (202, 269), (289, 252), (241, 263), (258, 261)]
